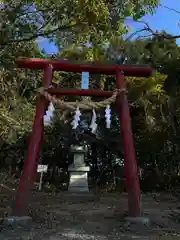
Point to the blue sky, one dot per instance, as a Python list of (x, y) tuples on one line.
[(163, 19)]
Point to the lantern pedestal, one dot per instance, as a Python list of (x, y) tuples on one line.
[(78, 171)]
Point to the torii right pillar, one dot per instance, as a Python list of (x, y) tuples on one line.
[(130, 165)]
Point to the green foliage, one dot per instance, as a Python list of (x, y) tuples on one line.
[(157, 51), (71, 20), (148, 97)]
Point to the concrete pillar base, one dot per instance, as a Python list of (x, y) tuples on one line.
[(138, 220), (14, 221)]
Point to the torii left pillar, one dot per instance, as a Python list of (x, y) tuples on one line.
[(20, 207)]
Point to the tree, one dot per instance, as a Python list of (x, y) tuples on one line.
[(48, 18)]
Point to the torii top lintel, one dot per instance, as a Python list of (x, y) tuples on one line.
[(92, 67)]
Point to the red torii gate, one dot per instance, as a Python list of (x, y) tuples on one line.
[(30, 164)]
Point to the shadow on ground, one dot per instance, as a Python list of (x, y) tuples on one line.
[(64, 217)]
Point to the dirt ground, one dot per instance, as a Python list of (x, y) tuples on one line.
[(65, 216)]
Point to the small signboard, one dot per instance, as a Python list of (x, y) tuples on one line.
[(42, 168), (85, 80)]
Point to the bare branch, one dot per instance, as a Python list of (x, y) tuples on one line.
[(166, 36), (135, 33), (171, 9), (147, 28)]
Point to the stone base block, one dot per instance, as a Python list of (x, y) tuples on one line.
[(79, 169), (78, 182), (14, 221), (138, 220)]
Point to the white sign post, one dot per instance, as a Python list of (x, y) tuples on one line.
[(41, 169)]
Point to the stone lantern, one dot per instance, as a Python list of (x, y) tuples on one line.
[(78, 170)]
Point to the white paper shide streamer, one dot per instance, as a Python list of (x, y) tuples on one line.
[(49, 115), (108, 116), (76, 120), (93, 125)]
